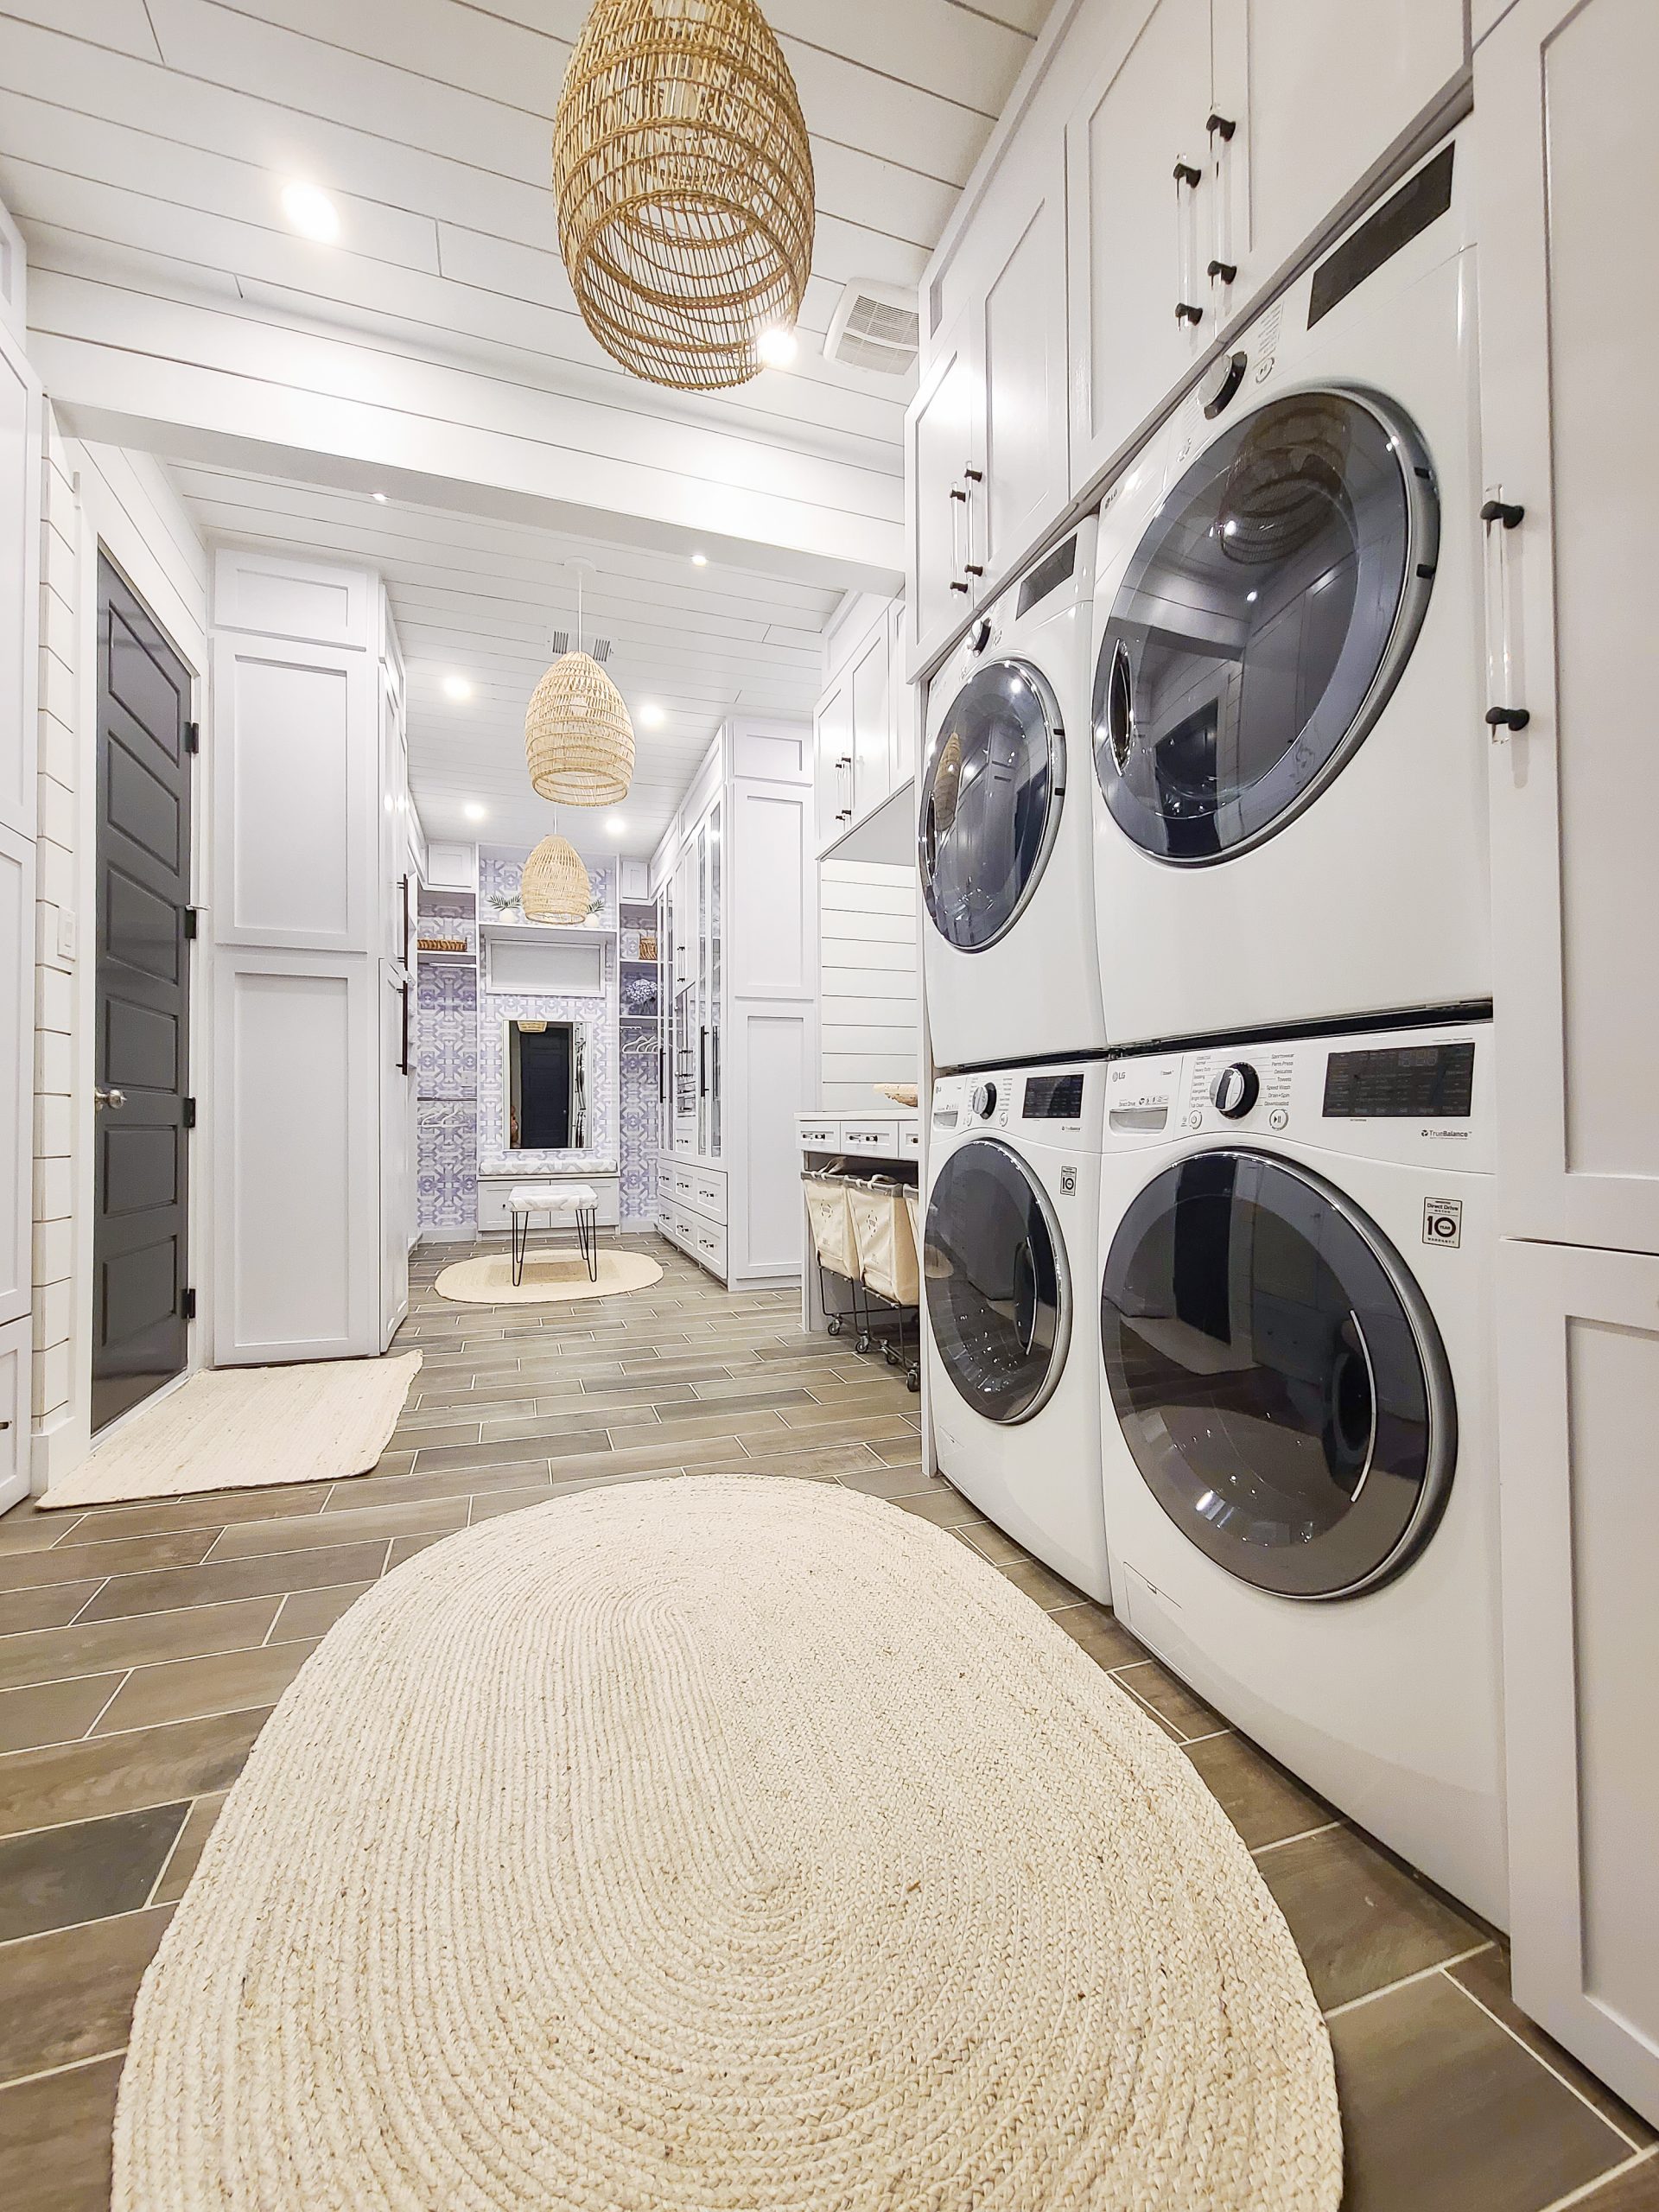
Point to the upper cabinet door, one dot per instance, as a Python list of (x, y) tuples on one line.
[(1137, 164), (1023, 345), (1308, 95), (872, 693), (833, 730), (944, 445), (1565, 355)]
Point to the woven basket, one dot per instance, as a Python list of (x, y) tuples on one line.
[(683, 177), (578, 739), (554, 886)]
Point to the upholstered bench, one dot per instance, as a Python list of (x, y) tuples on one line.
[(577, 1201)]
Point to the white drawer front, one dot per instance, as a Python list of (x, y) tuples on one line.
[(709, 1247), (15, 1375), (880, 1137), (910, 1141), (707, 1194), (819, 1136)]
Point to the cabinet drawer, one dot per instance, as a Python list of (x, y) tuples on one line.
[(14, 1373), (879, 1137), (910, 1139), (706, 1195), (819, 1136), (709, 1247)]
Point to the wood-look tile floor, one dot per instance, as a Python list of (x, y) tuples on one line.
[(141, 1647)]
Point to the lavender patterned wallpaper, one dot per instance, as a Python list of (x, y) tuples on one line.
[(446, 1064)]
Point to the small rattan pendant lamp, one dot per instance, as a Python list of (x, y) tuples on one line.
[(578, 736), (683, 177), (554, 886)]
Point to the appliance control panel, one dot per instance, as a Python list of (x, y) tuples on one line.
[(1410, 1096), (1049, 1101)]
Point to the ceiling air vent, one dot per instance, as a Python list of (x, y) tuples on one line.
[(877, 328), (598, 649)]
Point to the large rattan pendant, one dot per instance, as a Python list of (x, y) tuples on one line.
[(554, 886), (683, 175), (578, 738)]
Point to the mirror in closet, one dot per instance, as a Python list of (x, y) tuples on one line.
[(546, 1087)]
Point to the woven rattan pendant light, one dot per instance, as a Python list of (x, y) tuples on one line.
[(554, 886), (683, 175), (578, 736)]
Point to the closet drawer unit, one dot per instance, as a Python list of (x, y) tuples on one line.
[(878, 1137), (709, 1247), (817, 1133), (910, 1139), (16, 1340)]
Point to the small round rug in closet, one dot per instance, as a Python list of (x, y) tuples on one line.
[(724, 1843), (550, 1277)]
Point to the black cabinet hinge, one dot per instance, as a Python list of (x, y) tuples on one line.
[(192, 921), (189, 1112), (193, 737), (189, 1305)]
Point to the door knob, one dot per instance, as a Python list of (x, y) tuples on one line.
[(101, 1097)]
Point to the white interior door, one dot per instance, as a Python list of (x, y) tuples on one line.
[(1566, 347), (1579, 1390)]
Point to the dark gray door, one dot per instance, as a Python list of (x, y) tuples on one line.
[(141, 1152)]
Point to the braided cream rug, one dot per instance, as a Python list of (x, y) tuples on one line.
[(724, 1843)]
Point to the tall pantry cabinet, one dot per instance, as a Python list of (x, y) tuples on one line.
[(316, 856), (737, 936), (1562, 98)]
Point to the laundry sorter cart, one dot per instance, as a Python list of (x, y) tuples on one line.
[(884, 1232), (834, 1246)]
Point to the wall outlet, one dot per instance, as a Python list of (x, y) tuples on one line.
[(67, 933)]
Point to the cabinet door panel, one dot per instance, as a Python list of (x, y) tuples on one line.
[(1318, 91), (1025, 443), (833, 742), (20, 551), (872, 725), (1579, 1398), (1133, 228), (942, 443), (1574, 794)]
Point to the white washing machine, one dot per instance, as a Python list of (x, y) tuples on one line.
[(1297, 1427), (1286, 700), (1008, 1283), (1003, 827)]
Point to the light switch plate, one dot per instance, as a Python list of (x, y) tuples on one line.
[(66, 933)]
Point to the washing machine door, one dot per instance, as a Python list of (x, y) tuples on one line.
[(999, 1298), (992, 789), (1263, 622), (1277, 1375)]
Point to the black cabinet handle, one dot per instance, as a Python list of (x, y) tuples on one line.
[(1225, 270), (975, 568), (974, 475), (1186, 312), (702, 1063), (959, 586), (1221, 126), (1186, 174), (1507, 718), (403, 1064), (957, 492), (1501, 510)]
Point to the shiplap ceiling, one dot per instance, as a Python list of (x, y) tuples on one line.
[(144, 146), (477, 599)]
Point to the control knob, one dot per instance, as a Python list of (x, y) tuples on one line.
[(984, 1100), (1235, 1089), (979, 636)]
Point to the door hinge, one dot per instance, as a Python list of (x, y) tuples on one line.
[(192, 921), (193, 737), (189, 1305), (189, 1112)]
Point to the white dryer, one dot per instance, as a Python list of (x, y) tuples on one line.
[(1298, 1427), (1003, 827), (1008, 1269), (1289, 751)]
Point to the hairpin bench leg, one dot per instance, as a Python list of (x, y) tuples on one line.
[(520, 1227)]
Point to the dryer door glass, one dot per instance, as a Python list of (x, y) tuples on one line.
[(1276, 1375), (1263, 622), (991, 794), (998, 1301)]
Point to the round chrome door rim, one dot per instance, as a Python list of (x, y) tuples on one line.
[(1062, 1280), (1055, 728)]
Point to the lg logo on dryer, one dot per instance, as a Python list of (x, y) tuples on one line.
[(1443, 1221)]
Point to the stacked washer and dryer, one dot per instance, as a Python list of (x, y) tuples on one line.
[(1202, 849)]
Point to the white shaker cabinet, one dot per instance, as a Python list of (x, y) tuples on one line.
[(1578, 1333), (861, 726), (944, 462), (1571, 453), (1141, 196), (1305, 96)]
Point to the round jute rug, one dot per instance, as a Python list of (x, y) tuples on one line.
[(549, 1277), (725, 1844)]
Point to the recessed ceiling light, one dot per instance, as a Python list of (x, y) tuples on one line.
[(614, 826), (650, 715), (456, 687), (699, 560), (776, 348), (380, 499), (312, 213), (474, 812)]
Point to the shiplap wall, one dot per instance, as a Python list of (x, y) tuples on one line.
[(867, 1013)]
